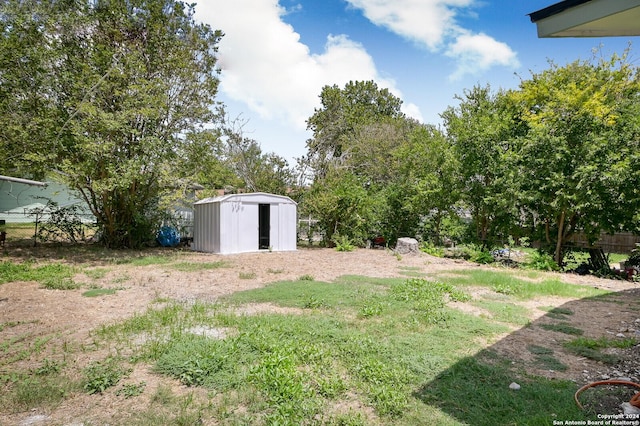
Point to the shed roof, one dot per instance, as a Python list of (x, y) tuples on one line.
[(245, 197)]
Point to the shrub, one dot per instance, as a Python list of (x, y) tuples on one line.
[(542, 262), (101, 375), (483, 257), (429, 248), (343, 243)]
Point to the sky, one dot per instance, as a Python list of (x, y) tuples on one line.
[(277, 55)]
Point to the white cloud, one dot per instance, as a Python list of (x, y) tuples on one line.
[(432, 23), (265, 66), (426, 22), (479, 52)]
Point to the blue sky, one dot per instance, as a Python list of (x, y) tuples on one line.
[(277, 55)]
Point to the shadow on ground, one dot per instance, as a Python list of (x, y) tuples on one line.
[(477, 391)]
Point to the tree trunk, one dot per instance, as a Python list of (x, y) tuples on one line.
[(558, 253)]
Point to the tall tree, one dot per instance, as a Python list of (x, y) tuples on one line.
[(480, 129), (343, 112), (128, 81), (430, 170), (576, 161)]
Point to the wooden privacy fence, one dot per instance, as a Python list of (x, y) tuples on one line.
[(622, 242)]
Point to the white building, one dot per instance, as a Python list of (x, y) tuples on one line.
[(238, 223)]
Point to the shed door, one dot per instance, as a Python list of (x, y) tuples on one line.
[(264, 226)]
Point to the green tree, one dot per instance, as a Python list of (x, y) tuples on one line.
[(343, 113), (430, 169), (577, 162), (257, 171), (481, 129), (341, 205), (27, 99), (128, 85)]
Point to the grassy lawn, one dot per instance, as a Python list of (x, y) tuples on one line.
[(356, 351)]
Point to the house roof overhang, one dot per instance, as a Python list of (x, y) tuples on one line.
[(588, 18), (23, 181)]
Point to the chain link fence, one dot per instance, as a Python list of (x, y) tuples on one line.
[(34, 226)]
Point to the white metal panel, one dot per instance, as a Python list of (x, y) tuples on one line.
[(274, 225), (205, 228), (229, 224), (248, 232), (288, 227)]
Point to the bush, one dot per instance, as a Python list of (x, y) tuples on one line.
[(483, 257), (430, 248), (343, 243), (542, 262), (634, 257)]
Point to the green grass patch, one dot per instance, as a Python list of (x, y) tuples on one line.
[(505, 312), (602, 342), (543, 358), (562, 328), (411, 271), (96, 273), (525, 289), (54, 276), (592, 348), (95, 292), (558, 313), (148, 260)]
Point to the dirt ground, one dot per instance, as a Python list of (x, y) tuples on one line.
[(70, 317)]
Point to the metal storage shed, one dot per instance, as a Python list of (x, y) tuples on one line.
[(239, 223)]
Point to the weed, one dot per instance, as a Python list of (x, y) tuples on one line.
[(306, 277), (313, 302), (96, 273), (483, 257), (429, 248), (130, 390), (558, 313), (594, 354), (52, 276), (121, 279), (544, 358), (276, 271), (48, 368), (371, 307), (39, 391), (247, 275), (194, 360), (541, 262), (343, 243), (150, 260), (101, 375)]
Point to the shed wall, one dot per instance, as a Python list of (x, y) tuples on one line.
[(206, 226), (233, 226)]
